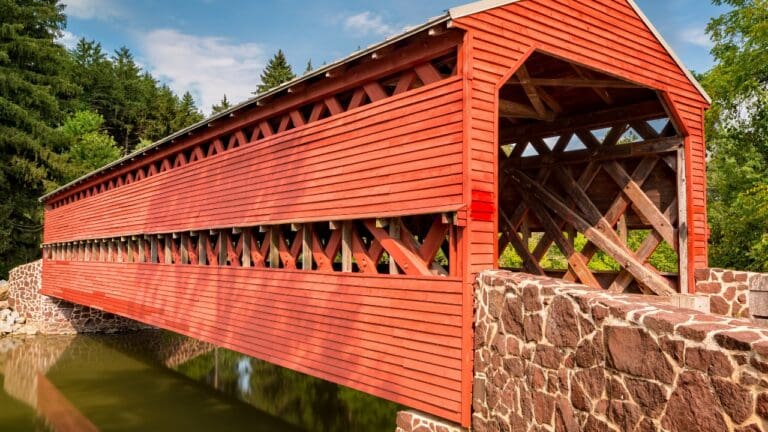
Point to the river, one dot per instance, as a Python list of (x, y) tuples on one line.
[(159, 381)]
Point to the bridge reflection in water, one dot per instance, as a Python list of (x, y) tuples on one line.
[(161, 381)]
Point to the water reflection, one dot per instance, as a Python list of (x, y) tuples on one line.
[(157, 381)]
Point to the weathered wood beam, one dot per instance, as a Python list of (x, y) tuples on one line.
[(530, 91), (643, 205), (410, 262), (623, 151), (511, 109), (618, 252), (648, 110), (577, 83)]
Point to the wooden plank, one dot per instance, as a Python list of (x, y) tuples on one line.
[(306, 247), (346, 246), (394, 232), (407, 259), (686, 282), (623, 256), (642, 204)]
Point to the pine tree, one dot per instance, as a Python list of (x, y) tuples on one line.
[(277, 72), (223, 105), (309, 67), (31, 67), (187, 113)]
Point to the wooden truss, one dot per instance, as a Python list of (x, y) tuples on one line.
[(414, 245), (574, 182)]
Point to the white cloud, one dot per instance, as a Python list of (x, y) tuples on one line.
[(366, 23), (68, 39), (93, 9), (696, 36), (207, 67)]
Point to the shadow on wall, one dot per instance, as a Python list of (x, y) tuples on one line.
[(48, 315)]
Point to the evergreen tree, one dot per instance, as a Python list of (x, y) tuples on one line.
[(223, 105), (31, 88), (277, 72), (309, 67), (187, 114)]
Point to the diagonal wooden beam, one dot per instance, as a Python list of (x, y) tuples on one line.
[(530, 91), (642, 204), (408, 261), (619, 206), (364, 262), (644, 252), (530, 263), (575, 259), (618, 252), (601, 92)]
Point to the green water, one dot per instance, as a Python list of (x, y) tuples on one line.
[(157, 381)]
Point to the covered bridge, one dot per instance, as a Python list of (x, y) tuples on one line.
[(334, 225)]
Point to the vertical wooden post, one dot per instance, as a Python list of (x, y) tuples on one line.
[(167, 239), (153, 249), (682, 225), (306, 247), (394, 232), (274, 246), (183, 249), (202, 257), (102, 251), (622, 228), (223, 239), (142, 254), (346, 246), (110, 250), (246, 236)]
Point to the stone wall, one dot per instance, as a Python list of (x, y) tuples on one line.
[(735, 293), (414, 421), (556, 356), (49, 315)]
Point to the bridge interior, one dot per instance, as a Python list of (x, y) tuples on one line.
[(589, 183)]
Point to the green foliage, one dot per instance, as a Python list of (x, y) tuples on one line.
[(309, 67), (31, 90), (664, 258), (132, 102), (223, 105), (737, 130), (91, 147), (277, 72)]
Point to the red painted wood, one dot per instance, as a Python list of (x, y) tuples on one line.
[(308, 321)]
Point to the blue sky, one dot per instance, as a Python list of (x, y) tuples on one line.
[(213, 47)]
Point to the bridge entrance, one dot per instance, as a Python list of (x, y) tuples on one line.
[(589, 179)]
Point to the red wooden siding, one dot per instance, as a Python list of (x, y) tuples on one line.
[(400, 156), (606, 35), (396, 337)]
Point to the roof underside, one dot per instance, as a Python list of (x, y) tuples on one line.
[(323, 72)]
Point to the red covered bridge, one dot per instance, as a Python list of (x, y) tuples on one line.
[(334, 225)]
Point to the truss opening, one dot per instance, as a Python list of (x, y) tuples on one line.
[(588, 179)]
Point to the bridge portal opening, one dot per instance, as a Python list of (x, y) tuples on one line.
[(590, 179)]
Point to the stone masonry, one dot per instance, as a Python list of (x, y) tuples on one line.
[(735, 293), (414, 421), (554, 356), (53, 316)]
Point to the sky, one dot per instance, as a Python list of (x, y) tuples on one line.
[(217, 47)]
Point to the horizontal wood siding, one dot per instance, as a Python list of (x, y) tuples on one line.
[(395, 337), (402, 155), (606, 35)]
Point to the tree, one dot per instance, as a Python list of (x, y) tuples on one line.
[(277, 72), (32, 86), (309, 67), (187, 114), (223, 105), (737, 130), (91, 148)]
